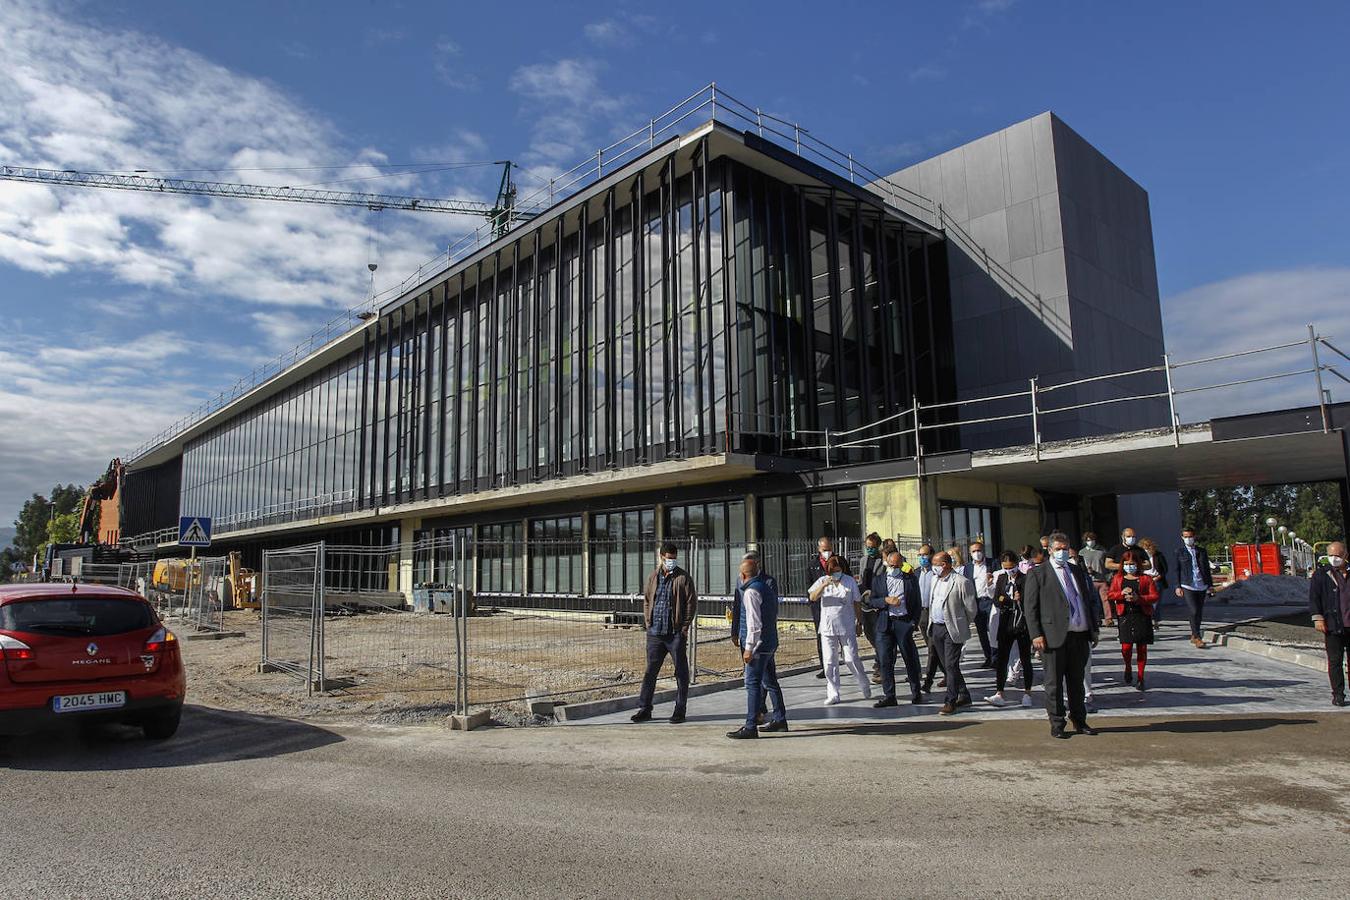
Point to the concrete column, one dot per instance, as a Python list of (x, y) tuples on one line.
[(404, 583)]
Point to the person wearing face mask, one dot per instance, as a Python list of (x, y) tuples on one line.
[(1133, 593), (836, 595), (1028, 560), (895, 601), (871, 580), (925, 576), (1155, 566), (1012, 630), (1093, 558), (670, 602), (951, 610), (814, 572), (1329, 603), (1063, 618), (1195, 582), (1127, 542), (981, 576)]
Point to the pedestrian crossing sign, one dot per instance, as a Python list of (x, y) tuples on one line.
[(194, 531)]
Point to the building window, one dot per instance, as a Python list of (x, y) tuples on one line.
[(555, 556), (623, 550), (499, 554), (719, 527), (963, 524)]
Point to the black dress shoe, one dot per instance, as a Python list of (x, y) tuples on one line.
[(677, 718), (1129, 677), (741, 734), (916, 699), (1084, 728), (1057, 731), (1140, 686), (774, 727), (884, 702), (642, 715), (820, 674), (1337, 701), (927, 687), (962, 701)]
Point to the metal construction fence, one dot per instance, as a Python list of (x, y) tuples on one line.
[(504, 623), (292, 612)]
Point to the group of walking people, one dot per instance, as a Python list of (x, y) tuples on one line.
[(1043, 604)]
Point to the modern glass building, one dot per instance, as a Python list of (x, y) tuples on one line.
[(657, 355)]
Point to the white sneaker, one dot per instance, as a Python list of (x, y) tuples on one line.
[(995, 700), (831, 701), (1026, 701), (867, 693), (1015, 669)]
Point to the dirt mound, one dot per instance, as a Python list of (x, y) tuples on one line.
[(1268, 590)]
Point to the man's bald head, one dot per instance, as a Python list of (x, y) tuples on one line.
[(749, 568), (1336, 548)]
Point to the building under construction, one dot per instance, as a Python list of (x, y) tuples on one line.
[(723, 328)]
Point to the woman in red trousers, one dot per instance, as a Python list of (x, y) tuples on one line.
[(1133, 596)]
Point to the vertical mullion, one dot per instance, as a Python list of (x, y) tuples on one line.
[(513, 378), (388, 386), (585, 300), (670, 331), (641, 415), (612, 375), (493, 323), (698, 212), (808, 312), (361, 441), (444, 398), (556, 423)]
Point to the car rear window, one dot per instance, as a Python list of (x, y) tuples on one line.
[(76, 616)]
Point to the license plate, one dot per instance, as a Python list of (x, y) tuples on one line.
[(81, 702)]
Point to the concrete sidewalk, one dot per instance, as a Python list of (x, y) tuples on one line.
[(1181, 681)]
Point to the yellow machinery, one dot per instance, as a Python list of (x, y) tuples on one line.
[(243, 585), (171, 575)]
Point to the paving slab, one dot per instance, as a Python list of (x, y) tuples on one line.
[(1181, 679)]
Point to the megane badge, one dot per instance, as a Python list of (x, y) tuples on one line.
[(92, 649)]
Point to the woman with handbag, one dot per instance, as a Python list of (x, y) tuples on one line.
[(1133, 595), (1012, 629)]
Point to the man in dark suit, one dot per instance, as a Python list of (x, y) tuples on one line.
[(1063, 618), (1195, 581), (871, 581), (896, 604)]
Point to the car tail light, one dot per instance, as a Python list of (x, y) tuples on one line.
[(160, 640), (13, 648)]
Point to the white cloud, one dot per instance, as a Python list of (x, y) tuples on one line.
[(928, 73), (77, 97), (607, 31), (571, 110), (1259, 309), (449, 68)]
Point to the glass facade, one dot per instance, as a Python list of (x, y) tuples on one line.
[(699, 306), (623, 550)]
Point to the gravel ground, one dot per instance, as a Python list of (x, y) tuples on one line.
[(246, 806), (1294, 629), (399, 668)]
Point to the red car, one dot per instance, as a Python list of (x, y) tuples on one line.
[(86, 652)]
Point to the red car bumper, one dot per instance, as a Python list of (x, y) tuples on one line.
[(28, 707)]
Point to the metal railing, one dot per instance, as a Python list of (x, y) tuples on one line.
[(836, 443)]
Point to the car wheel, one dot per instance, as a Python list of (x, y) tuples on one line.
[(161, 726)]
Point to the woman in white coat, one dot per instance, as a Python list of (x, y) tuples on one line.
[(840, 613)]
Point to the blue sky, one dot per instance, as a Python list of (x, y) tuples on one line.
[(122, 311)]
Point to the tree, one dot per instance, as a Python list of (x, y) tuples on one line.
[(31, 528), (1226, 516)]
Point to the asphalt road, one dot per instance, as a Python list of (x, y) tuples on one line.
[(246, 806)]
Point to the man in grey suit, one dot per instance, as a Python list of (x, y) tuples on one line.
[(951, 611), (1063, 616)]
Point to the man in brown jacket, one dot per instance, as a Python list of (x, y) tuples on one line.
[(668, 609)]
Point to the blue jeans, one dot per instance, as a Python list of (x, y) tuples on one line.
[(761, 677)]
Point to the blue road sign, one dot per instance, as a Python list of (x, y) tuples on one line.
[(194, 531)]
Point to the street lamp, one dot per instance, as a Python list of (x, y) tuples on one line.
[(1284, 531), (1270, 523)]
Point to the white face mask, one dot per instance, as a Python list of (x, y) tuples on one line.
[(1129, 541), (1130, 568), (825, 554), (1190, 541), (1336, 561), (939, 569), (977, 556), (668, 563)]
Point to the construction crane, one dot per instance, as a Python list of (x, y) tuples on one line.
[(502, 213)]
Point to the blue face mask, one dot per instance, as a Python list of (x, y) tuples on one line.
[(872, 551), (669, 564), (894, 570), (923, 561), (1062, 555), (835, 576), (1130, 568)]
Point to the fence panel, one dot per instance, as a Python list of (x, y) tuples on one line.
[(374, 640), (292, 612), (207, 588)]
